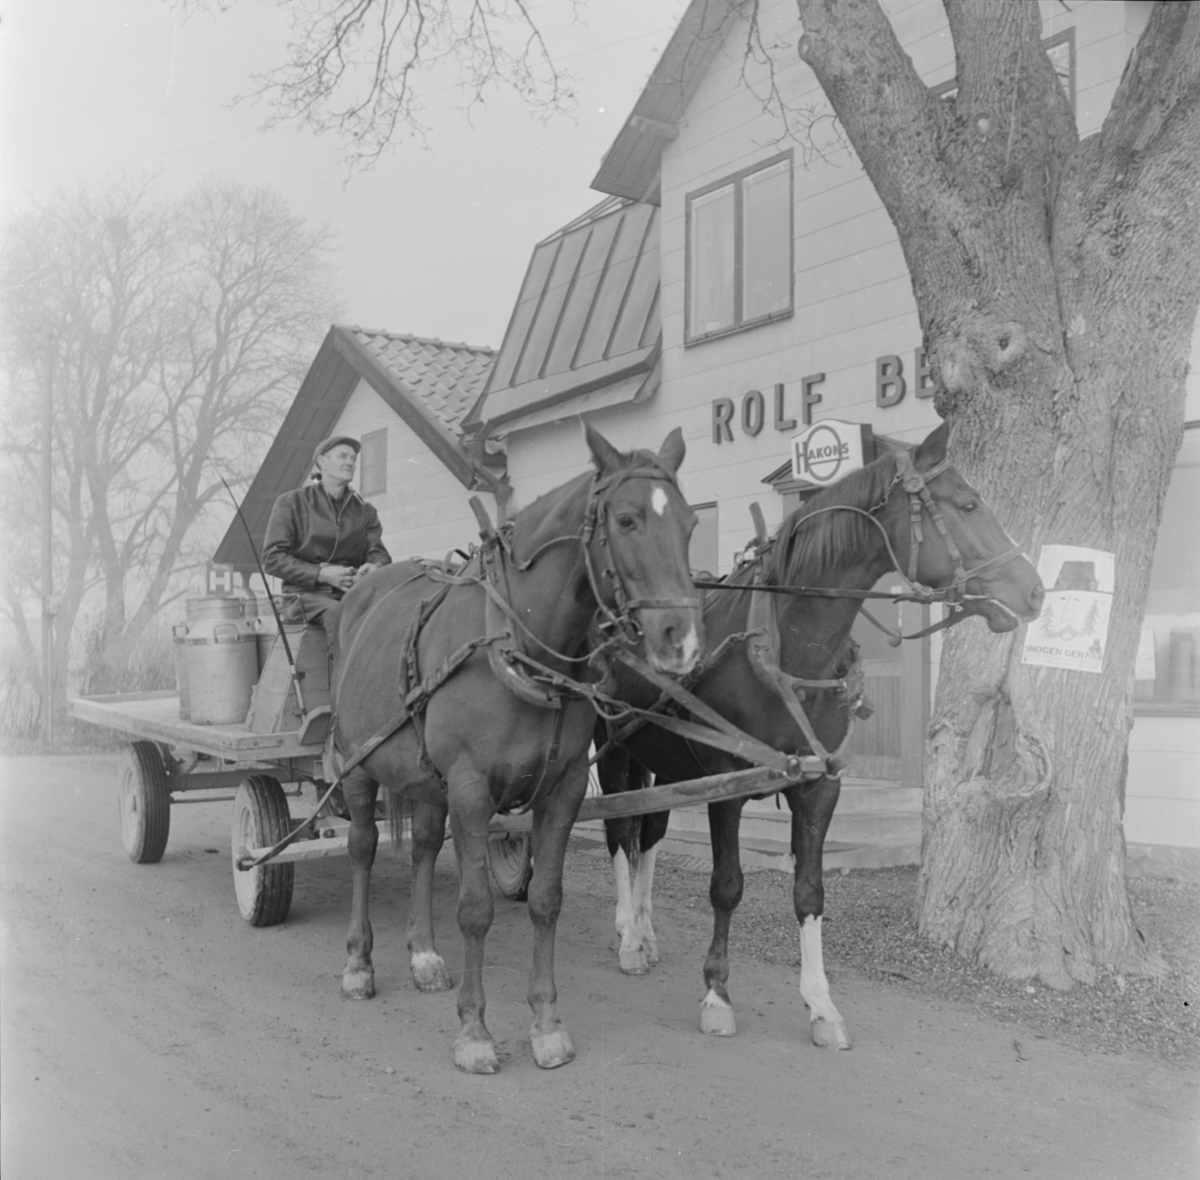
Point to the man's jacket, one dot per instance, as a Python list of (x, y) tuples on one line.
[(308, 529)]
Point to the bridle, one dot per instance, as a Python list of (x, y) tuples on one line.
[(915, 483), (617, 619)]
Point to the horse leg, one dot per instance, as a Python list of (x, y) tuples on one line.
[(360, 790), (812, 810), (428, 835), (474, 1048), (551, 829), (618, 773), (654, 828), (724, 892)]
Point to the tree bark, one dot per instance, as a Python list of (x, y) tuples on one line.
[(1057, 289)]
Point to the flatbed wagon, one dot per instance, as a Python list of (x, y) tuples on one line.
[(170, 761)]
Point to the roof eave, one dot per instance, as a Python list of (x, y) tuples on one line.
[(632, 165)]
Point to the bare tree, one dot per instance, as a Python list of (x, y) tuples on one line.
[(178, 328), (1057, 287), (357, 67)]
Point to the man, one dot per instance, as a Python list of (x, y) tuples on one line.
[(323, 537)]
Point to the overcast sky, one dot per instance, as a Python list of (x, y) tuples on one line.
[(434, 241)]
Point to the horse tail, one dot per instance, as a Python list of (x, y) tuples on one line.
[(399, 812)]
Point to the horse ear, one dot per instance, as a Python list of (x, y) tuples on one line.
[(671, 453), (932, 450), (604, 454)]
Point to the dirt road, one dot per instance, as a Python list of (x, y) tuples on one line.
[(148, 1032)]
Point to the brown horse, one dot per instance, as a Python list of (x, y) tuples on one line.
[(475, 661), (914, 514)]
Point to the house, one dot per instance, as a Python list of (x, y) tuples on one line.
[(405, 397), (733, 285)]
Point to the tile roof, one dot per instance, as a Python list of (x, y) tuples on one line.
[(445, 378)]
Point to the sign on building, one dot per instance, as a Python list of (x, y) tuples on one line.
[(830, 449)]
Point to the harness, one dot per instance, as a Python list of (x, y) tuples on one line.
[(508, 639), (763, 641)]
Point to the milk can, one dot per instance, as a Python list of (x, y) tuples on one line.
[(222, 666)]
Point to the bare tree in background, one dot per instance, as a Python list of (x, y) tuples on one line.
[(176, 330)]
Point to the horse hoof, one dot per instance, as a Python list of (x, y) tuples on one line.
[(429, 972), (634, 962), (550, 1050), (716, 1017), (358, 985), (830, 1034), (476, 1056)]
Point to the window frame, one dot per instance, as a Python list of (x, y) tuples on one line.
[(378, 464), (737, 180), (699, 509)]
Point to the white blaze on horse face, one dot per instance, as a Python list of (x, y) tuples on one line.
[(658, 501)]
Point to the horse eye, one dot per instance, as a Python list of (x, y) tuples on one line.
[(970, 506), (625, 521)]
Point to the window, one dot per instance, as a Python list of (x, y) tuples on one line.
[(373, 475), (1168, 662), (703, 554), (739, 250)]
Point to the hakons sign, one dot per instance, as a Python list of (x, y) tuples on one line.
[(830, 449)]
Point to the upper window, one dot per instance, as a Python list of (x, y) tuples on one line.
[(703, 556), (739, 250), (374, 462), (1168, 660)]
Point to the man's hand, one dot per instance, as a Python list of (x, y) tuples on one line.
[(340, 577)]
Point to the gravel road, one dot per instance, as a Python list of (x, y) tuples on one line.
[(148, 1032)]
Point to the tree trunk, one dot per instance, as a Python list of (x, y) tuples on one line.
[(1057, 289)]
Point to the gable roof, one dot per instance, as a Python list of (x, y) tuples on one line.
[(586, 319), (631, 166), (429, 383)]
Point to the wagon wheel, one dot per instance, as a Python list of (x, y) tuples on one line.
[(511, 858), (144, 800), (260, 818)]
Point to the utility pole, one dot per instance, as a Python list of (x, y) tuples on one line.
[(47, 547)]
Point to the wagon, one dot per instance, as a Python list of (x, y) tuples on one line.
[(280, 752), (170, 762)]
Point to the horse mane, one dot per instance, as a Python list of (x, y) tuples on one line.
[(818, 543)]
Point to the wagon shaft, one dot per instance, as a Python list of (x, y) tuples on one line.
[(734, 784)]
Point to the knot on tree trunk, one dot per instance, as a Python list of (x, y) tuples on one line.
[(980, 351)]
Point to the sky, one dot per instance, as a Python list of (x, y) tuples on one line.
[(434, 241)]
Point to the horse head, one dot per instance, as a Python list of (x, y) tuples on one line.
[(637, 539), (944, 536)]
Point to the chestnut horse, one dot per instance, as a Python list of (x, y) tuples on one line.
[(449, 693), (909, 512)]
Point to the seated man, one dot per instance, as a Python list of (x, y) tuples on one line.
[(323, 537)]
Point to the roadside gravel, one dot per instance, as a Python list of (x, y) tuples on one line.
[(870, 930)]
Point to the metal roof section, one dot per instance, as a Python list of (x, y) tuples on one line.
[(431, 384), (586, 319), (631, 167)]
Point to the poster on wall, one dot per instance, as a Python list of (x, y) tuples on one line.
[(1072, 629)]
